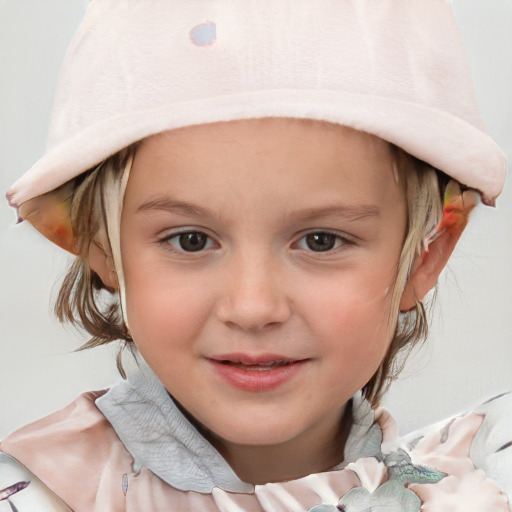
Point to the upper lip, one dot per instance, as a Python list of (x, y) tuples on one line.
[(252, 359)]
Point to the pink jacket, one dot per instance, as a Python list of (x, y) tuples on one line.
[(77, 454)]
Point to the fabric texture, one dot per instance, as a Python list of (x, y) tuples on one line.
[(19, 485), (393, 68), (461, 464)]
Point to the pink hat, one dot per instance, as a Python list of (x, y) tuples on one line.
[(393, 68)]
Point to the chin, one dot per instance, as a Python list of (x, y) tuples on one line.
[(254, 432)]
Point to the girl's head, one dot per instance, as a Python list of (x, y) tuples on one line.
[(272, 198)]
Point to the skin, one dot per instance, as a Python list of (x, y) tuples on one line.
[(256, 189), (257, 287)]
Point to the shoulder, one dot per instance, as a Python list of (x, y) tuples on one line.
[(78, 426), (75, 444), (492, 446), (474, 449), (24, 491)]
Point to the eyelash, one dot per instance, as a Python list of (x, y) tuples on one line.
[(176, 236), (339, 241)]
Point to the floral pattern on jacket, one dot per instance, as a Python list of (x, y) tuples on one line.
[(435, 474)]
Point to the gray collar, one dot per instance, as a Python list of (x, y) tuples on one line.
[(159, 436)]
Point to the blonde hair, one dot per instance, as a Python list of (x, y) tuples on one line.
[(424, 188), (85, 302), (83, 299)]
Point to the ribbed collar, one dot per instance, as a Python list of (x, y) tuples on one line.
[(160, 437)]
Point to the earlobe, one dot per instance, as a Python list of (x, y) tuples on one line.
[(433, 259), (102, 263)]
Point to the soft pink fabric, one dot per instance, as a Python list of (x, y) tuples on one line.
[(76, 453), (452, 456)]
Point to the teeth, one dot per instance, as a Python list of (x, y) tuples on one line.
[(259, 366)]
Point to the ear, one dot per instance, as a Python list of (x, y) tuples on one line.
[(430, 263), (102, 263)]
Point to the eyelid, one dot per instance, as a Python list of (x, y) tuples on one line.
[(345, 240), (165, 240)]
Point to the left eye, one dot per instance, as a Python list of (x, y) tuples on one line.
[(190, 241), (321, 241)]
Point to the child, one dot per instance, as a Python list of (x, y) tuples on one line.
[(250, 192)]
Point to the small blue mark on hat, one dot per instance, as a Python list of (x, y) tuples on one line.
[(204, 34)]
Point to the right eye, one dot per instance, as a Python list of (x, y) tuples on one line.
[(190, 241)]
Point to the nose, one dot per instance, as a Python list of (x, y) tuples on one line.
[(253, 294)]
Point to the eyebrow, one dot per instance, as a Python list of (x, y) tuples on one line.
[(178, 207), (350, 211)]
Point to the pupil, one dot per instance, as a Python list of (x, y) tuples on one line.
[(321, 242), (192, 242)]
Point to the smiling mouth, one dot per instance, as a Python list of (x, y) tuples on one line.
[(257, 373), (258, 367)]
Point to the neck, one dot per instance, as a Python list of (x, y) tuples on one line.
[(318, 449)]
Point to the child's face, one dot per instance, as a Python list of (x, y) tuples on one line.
[(266, 241)]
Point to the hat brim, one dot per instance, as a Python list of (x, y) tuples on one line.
[(443, 140)]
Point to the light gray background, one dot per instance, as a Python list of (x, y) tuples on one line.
[(469, 353)]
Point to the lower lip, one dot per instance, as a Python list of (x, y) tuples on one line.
[(257, 380)]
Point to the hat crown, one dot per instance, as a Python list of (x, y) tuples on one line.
[(142, 55)]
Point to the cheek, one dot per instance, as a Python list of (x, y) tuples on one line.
[(165, 310), (352, 318)]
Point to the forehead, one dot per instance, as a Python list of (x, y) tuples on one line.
[(274, 132), (280, 157)]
